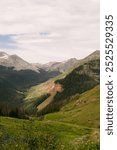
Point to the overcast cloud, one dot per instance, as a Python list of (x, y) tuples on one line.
[(49, 30)]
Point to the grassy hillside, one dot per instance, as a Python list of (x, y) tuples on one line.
[(41, 135), (74, 127), (81, 109)]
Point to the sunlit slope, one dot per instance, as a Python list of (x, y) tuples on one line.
[(80, 110)]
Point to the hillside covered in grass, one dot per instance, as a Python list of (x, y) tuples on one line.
[(74, 127), (81, 109)]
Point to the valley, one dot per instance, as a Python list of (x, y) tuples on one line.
[(55, 106)]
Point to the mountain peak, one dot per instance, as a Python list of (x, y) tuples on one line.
[(97, 52), (94, 55), (16, 62), (71, 60), (17, 58)]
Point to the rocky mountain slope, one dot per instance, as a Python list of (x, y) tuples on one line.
[(16, 62), (20, 64), (60, 66), (68, 64)]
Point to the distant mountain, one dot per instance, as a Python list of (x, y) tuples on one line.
[(60, 66), (20, 64), (16, 62), (68, 64)]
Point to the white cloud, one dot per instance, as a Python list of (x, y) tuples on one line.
[(51, 29)]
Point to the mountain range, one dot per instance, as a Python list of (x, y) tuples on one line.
[(17, 76), (68, 64), (19, 64), (58, 104)]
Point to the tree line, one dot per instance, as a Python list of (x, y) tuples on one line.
[(15, 112)]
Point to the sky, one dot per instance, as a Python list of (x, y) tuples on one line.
[(49, 30)]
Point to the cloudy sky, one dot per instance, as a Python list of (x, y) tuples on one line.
[(49, 30)]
